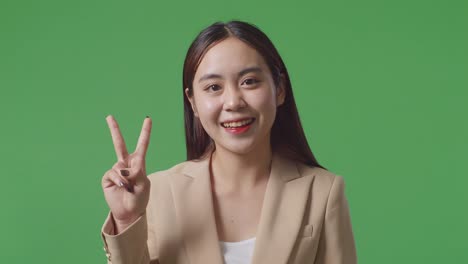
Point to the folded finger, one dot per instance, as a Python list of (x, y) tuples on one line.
[(112, 178), (130, 174)]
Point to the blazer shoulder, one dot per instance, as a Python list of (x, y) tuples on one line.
[(179, 168), (324, 181), (327, 191), (322, 176)]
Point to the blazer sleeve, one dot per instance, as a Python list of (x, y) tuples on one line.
[(336, 245), (129, 246)]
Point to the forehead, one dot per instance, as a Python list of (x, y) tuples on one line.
[(229, 57)]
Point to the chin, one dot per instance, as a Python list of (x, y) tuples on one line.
[(238, 148)]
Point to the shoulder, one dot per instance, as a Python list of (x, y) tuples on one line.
[(162, 182), (181, 171), (325, 183), (321, 176), (162, 175)]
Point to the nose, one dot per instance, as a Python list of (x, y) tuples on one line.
[(233, 98)]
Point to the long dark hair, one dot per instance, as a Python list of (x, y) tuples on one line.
[(287, 134)]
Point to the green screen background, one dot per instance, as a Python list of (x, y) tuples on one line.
[(381, 87)]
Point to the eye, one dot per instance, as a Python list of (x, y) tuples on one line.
[(250, 81), (213, 88)]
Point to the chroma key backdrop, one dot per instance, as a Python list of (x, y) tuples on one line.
[(381, 86)]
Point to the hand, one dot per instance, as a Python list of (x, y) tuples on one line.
[(126, 187)]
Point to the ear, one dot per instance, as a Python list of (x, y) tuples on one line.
[(192, 101), (280, 92)]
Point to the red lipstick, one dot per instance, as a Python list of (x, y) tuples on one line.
[(238, 129)]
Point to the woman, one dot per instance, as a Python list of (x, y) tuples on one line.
[(250, 191)]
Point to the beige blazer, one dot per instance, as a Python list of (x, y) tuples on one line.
[(304, 219)]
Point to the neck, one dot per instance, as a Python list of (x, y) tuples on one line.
[(234, 172)]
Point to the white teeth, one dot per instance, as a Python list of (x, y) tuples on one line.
[(237, 124)]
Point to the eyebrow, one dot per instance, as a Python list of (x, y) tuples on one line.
[(218, 76)]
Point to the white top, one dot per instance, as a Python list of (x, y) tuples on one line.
[(238, 252)]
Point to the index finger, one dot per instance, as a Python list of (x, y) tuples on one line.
[(117, 139), (143, 140)]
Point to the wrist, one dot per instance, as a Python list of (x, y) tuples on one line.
[(121, 224)]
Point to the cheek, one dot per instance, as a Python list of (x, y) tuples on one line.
[(266, 103), (267, 110), (207, 110)]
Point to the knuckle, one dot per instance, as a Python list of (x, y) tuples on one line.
[(108, 173), (119, 164), (108, 176), (139, 159)]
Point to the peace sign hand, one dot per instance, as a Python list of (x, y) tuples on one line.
[(125, 185)]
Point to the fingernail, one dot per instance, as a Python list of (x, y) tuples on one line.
[(121, 184), (124, 173), (129, 188)]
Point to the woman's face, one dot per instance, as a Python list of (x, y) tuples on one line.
[(234, 97)]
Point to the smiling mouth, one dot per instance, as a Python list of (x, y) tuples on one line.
[(237, 124)]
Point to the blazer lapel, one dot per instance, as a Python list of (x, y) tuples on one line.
[(194, 207), (282, 212), (281, 217)]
